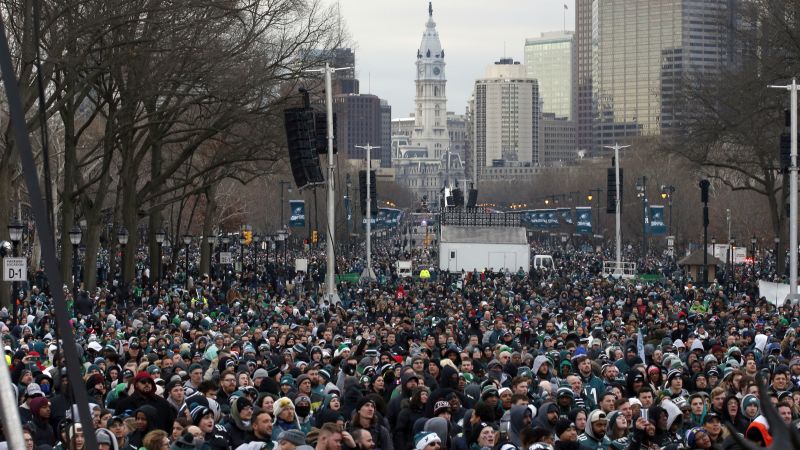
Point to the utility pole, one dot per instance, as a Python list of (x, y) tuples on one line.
[(330, 269), (793, 297), (368, 274), (617, 148)]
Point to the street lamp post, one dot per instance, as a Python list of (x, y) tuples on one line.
[(595, 194), (161, 236), (210, 239), (187, 240), (15, 229), (618, 205), (225, 242), (368, 273), (641, 189), (777, 242), (256, 244), (289, 190), (75, 235), (122, 238), (268, 244), (731, 243), (666, 193), (753, 241), (242, 241)]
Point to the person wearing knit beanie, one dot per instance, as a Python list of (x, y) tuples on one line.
[(697, 437), (423, 439), (294, 437), (284, 417), (198, 412)]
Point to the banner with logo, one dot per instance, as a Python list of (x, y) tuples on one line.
[(583, 223), (538, 218), (347, 209), (551, 220), (657, 224), (565, 216), (381, 218), (297, 218), (526, 218)]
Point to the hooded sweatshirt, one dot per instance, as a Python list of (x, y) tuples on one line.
[(541, 417), (135, 439), (237, 428), (515, 425)]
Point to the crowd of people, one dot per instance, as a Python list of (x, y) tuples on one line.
[(559, 358)]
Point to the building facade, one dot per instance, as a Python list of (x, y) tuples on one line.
[(549, 59), (558, 141), (358, 122), (642, 50), (505, 115)]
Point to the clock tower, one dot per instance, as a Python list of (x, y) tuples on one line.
[(430, 101)]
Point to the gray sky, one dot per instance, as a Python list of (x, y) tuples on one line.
[(473, 34)]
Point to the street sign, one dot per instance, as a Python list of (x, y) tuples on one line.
[(15, 269), (301, 265), (225, 258)]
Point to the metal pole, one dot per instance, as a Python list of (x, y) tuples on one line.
[(368, 273), (793, 198), (10, 416), (74, 271), (645, 219), (670, 214), (187, 266), (618, 218), (330, 273), (793, 296)]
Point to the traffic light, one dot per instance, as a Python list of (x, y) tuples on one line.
[(321, 121), (314, 237), (786, 144), (611, 189), (248, 237), (300, 139)]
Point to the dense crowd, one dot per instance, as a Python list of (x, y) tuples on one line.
[(556, 358)]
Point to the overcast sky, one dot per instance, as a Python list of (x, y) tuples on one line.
[(474, 33)]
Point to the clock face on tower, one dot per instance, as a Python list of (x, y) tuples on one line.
[(436, 71)]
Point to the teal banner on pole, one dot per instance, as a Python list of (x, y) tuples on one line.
[(565, 216), (657, 224), (526, 218), (297, 219), (381, 218), (538, 218), (583, 223), (551, 219), (348, 210)]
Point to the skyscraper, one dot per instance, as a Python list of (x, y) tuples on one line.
[(642, 50), (506, 117), (549, 59), (582, 79)]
